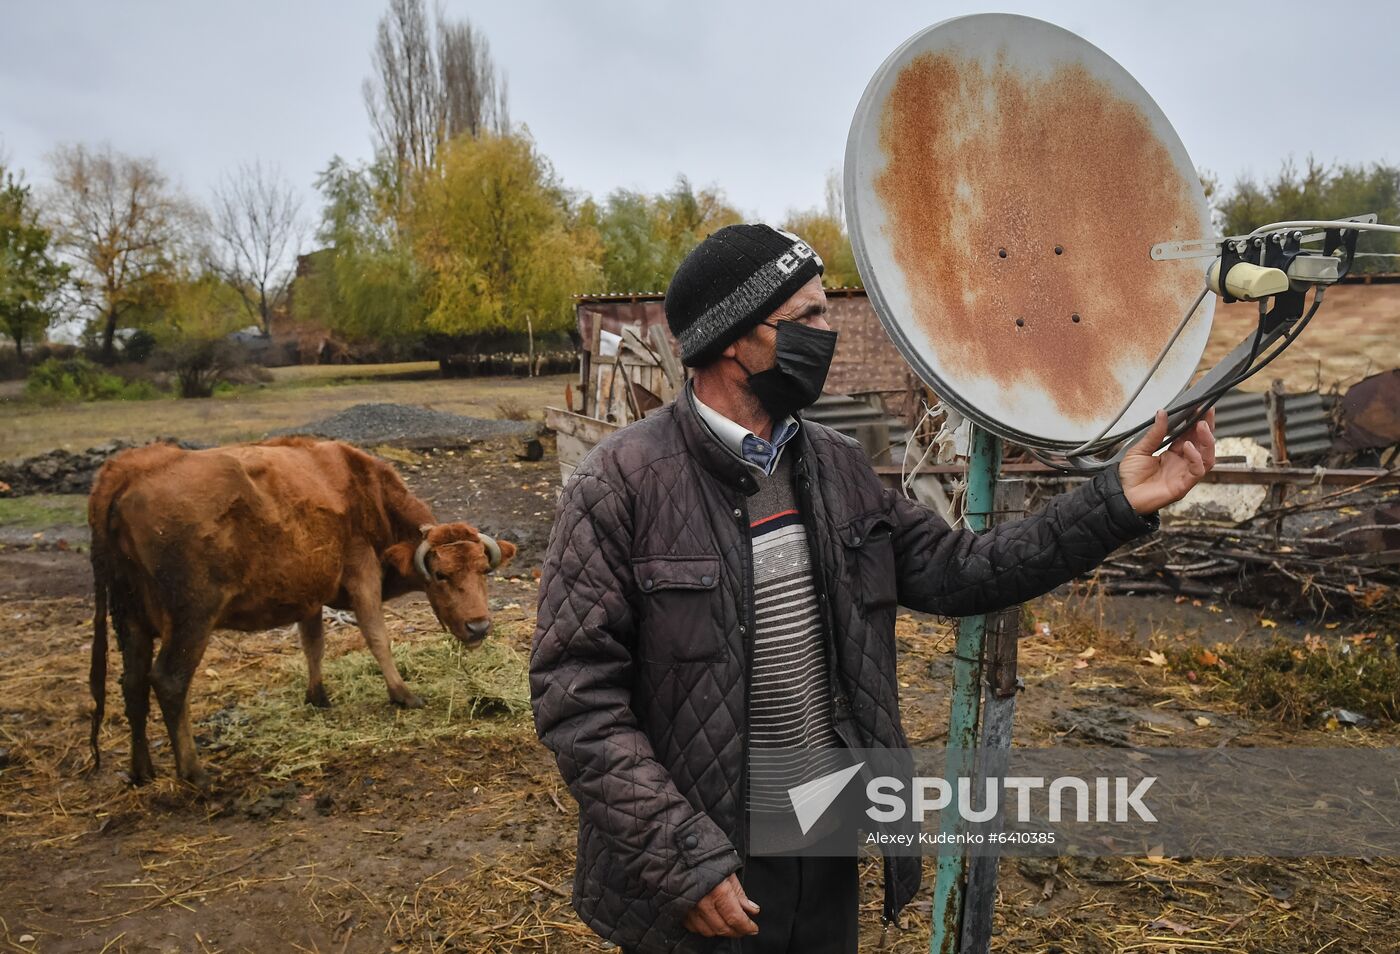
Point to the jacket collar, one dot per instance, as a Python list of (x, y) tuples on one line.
[(706, 448)]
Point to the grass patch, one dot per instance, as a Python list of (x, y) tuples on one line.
[(1295, 684), (466, 692), (40, 511)]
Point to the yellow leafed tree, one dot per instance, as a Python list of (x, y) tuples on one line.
[(500, 239)]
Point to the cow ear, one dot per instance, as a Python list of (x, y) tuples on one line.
[(400, 557), (507, 552)]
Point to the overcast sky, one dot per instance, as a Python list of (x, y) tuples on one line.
[(753, 97)]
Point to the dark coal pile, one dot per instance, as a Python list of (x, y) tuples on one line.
[(64, 471), (369, 424)]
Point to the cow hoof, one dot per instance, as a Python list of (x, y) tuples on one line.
[(200, 780), (409, 701), (137, 779), (317, 697)]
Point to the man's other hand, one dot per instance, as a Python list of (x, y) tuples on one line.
[(1152, 481), (724, 912)]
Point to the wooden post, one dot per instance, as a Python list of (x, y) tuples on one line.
[(530, 330), (1278, 449), (998, 714)]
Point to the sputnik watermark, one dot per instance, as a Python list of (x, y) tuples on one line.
[(1100, 799)]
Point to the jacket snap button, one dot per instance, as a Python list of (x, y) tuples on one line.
[(691, 841), (743, 628), (738, 512), (706, 580), (856, 541), (648, 584)]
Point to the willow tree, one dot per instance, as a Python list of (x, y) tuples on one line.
[(499, 238)]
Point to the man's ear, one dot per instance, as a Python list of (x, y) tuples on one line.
[(507, 552)]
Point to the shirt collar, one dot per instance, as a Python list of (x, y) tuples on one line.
[(743, 443)]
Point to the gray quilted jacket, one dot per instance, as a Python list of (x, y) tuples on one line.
[(638, 674)]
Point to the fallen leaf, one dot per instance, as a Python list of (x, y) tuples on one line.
[(1268, 624), (1156, 854), (1331, 625), (1207, 658), (1162, 924), (1155, 658), (1202, 721), (1088, 653), (1081, 664)]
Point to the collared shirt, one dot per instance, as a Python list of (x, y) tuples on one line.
[(744, 443)]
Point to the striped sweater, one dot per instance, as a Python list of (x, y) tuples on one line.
[(790, 695)]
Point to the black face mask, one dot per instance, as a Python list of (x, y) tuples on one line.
[(803, 357)]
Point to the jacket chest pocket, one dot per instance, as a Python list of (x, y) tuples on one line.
[(679, 608), (870, 566)]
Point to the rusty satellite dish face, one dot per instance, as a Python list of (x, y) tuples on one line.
[(1005, 182)]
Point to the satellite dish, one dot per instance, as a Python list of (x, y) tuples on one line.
[(1005, 184)]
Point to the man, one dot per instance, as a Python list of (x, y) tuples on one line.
[(723, 576)]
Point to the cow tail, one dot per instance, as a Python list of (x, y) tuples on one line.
[(97, 674), (98, 521)]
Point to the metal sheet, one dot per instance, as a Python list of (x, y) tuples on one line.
[(1005, 182)]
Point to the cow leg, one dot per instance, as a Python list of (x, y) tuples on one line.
[(175, 666), (313, 644), (138, 647), (369, 613)]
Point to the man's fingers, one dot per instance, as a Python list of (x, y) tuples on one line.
[(1154, 436), (1194, 463), (1205, 443), (748, 904), (713, 922), (695, 924), (734, 917)]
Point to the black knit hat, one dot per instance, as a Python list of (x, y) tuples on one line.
[(732, 281)]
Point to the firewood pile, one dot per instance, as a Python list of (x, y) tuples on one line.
[(1325, 551)]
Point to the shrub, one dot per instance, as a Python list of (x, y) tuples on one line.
[(78, 379)]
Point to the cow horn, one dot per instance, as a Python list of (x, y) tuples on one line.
[(493, 550), (420, 556)]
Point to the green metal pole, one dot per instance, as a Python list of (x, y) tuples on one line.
[(983, 467)]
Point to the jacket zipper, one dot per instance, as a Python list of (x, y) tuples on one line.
[(746, 632), (840, 706)]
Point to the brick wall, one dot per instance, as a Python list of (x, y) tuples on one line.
[(865, 359)]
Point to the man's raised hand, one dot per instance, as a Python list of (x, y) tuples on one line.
[(1152, 481)]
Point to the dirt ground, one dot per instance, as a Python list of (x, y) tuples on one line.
[(294, 396), (462, 840)]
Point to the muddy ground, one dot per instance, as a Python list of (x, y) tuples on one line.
[(464, 842)]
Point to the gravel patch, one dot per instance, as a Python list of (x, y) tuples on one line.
[(369, 424)]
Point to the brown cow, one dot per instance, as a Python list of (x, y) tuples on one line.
[(256, 536)]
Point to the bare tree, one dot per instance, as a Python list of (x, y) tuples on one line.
[(257, 233), (118, 222), (431, 80), (470, 96)]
